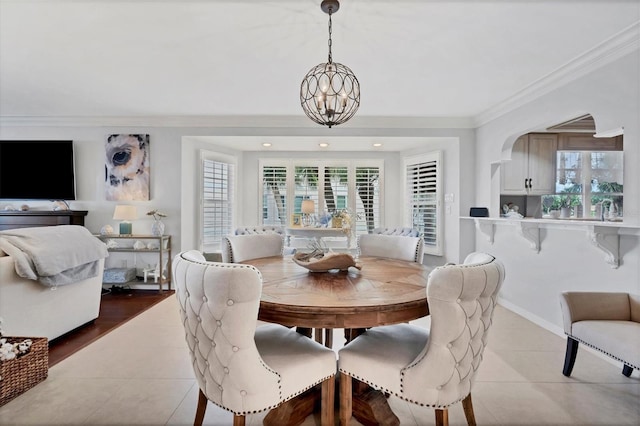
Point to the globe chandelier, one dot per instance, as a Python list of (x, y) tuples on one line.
[(330, 92)]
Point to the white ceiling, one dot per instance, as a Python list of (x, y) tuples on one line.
[(206, 58)]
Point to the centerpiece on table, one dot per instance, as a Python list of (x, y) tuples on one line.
[(318, 260)]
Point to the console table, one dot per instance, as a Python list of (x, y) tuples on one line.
[(316, 233), (164, 253), (32, 218)]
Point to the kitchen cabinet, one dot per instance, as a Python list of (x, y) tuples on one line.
[(531, 170)]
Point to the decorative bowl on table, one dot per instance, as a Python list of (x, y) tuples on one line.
[(325, 262)]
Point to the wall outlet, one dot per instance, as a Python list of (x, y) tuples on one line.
[(448, 198)]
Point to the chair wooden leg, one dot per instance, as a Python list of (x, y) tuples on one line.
[(346, 407), (570, 356), (467, 406), (202, 407), (238, 420), (442, 417), (626, 370), (327, 402)]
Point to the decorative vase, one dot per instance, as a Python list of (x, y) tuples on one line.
[(336, 222), (157, 228)]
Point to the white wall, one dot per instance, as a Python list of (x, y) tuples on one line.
[(567, 261)]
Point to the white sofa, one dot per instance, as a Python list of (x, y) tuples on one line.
[(31, 309)]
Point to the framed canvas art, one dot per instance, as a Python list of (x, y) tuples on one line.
[(127, 168)]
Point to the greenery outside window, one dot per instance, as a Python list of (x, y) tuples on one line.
[(333, 185), (586, 180)]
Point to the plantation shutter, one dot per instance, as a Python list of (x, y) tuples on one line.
[(367, 198), (335, 188), (217, 203), (423, 194), (274, 195)]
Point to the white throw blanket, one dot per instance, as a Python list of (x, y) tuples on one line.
[(54, 255)]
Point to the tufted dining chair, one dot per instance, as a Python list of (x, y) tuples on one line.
[(237, 366), (238, 248), (259, 229), (391, 246), (434, 367), (402, 231), (265, 229)]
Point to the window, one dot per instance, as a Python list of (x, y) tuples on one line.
[(333, 185), (586, 179), (218, 181), (424, 209)]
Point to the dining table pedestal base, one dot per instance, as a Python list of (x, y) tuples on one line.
[(371, 407)]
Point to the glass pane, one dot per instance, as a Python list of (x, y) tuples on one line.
[(274, 190)]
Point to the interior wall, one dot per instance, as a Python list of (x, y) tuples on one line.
[(566, 260), (164, 150)]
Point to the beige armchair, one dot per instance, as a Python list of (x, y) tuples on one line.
[(605, 321), (433, 367), (391, 246), (239, 367), (238, 248)]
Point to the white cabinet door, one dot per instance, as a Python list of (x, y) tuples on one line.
[(513, 173), (542, 163)]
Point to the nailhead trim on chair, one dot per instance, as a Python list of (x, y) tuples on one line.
[(476, 357), (604, 352)]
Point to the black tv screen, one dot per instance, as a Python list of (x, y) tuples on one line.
[(37, 170)]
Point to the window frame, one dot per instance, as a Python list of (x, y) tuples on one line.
[(206, 155), (436, 156), (319, 196)]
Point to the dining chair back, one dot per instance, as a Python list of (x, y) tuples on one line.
[(237, 366), (399, 230), (433, 367), (238, 248), (259, 229), (391, 246)]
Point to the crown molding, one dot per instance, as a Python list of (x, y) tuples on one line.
[(245, 122), (619, 45)]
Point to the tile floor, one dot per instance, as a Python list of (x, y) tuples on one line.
[(139, 374)]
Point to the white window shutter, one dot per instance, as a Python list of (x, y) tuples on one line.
[(423, 183)]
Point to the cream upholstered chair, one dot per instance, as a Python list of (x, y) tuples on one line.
[(239, 367), (433, 367), (238, 248), (391, 246), (265, 229), (402, 231), (259, 229), (606, 321)]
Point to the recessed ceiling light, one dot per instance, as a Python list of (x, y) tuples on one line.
[(377, 144), (323, 144), (266, 144)]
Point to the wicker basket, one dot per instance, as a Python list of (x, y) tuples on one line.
[(21, 374)]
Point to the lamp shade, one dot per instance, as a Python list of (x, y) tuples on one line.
[(125, 213), (308, 207)]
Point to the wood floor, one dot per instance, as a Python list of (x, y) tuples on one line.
[(115, 309)]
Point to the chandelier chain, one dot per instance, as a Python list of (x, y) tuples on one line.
[(330, 60)]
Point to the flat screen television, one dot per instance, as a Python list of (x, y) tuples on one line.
[(37, 170)]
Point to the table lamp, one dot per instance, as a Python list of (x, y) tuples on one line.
[(308, 208), (125, 214)]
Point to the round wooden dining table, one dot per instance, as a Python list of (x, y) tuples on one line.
[(384, 291)]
